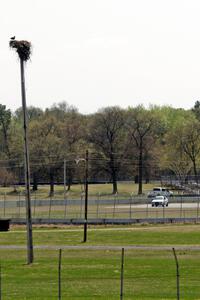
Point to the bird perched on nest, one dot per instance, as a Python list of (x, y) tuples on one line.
[(12, 38)]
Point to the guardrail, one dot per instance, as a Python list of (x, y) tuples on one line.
[(43, 221)]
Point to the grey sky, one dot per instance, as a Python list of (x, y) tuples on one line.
[(95, 53)]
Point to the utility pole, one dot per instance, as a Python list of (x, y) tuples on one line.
[(23, 49), (27, 170), (86, 197)]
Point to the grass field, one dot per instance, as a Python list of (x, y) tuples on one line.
[(106, 235), (95, 274), (124, 190)]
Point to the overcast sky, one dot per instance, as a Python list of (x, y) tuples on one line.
[(97, 53)]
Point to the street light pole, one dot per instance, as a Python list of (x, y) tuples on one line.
[(86, 197)]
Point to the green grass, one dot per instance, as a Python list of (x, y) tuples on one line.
[(118, 235), (89, 275), (124, 190), (95, 274)]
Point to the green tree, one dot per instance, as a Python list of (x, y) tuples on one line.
[(190, 141), (5, 121), (106, 136), (59, 110), (141, 124), (46, 146), (196, 110), (179, 149), (73, 143), (32, 113), (172, 155)]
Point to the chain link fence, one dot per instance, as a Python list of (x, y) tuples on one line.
[(100, 207)]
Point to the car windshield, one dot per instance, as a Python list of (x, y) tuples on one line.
[(160, 197)]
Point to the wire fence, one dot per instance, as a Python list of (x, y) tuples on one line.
[(103, 274), (100, 207)]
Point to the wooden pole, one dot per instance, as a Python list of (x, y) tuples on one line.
[(86, 197), (27, 170)]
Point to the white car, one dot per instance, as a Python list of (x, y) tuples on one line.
[(160, 201), (160, 191)]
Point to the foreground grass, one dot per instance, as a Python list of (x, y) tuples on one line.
[(95, 274)]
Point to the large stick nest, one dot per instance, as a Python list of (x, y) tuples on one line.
[(23, 48)]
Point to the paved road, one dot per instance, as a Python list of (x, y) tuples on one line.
[(144, 206), (118, 202)]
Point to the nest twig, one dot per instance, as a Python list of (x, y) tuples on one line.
[(23, 48)]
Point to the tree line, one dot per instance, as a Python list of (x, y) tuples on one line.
[(136, 143)]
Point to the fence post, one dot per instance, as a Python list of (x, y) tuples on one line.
[(198, 209), (163, 212), (65, 199), (81, 208), (59, 274), (114, 206), (177, 274), (181, 208), (130, 215), (50, 206), (4, 205), (98, 200), (122, 276), (147, 208), (19, 204), (34, 202)]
